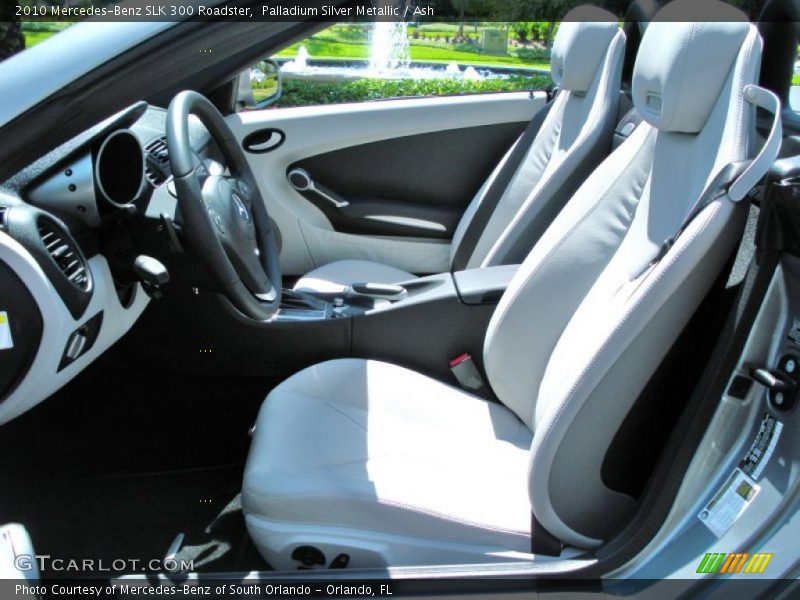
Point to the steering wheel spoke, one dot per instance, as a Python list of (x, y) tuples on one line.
[(226, 218)]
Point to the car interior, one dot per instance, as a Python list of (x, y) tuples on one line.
[(457, 330)]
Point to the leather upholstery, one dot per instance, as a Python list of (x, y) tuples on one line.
[(669, 91), (573, 140), (405, 454), (582, 327), (579, 47), (579, 303)]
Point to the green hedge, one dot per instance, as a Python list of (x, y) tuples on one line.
[(304, 93), (51, 26)]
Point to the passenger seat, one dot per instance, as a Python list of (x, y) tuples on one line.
[(562, 145)]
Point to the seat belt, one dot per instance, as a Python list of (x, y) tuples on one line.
[(492, 197), (736, 179), (715, 190)]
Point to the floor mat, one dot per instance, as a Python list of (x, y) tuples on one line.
[(114, 422), (136, 517)]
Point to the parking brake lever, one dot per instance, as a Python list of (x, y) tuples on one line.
[(376, 291), (300, 180)]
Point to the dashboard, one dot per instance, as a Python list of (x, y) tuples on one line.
[(68, 229)]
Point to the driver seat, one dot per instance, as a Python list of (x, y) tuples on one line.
[(368, 462)]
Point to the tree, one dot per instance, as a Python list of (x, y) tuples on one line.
[(548, 11), (522, 30), (11, 39), (441, 8)]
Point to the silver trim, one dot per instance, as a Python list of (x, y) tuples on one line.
[(99, 161), (309, 186), (408, 222), (174, 547), (55, 192)]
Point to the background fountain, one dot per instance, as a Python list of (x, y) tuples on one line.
[(389, 58), (300, 62), (389, 50)]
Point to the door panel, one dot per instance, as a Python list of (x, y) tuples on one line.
[(415, 185), (406, 169)]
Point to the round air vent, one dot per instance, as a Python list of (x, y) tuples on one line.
[(50, 243)]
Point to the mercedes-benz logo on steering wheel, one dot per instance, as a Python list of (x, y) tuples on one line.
[(244, 214)]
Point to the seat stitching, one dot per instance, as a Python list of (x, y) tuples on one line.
[(570, 396), (340, 411)]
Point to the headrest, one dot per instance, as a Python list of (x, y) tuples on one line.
[(580, 45), (684, 60)]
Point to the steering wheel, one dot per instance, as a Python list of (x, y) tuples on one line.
[(224, 216)]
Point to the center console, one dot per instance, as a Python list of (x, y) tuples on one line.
[(436, 319), (472, 287), (422, 323)]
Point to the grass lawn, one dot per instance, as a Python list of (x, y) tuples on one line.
[(36, 33), (266, 90), (36, 37)]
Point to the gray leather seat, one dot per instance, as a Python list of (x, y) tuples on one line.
[(392, 467), (575, 136)]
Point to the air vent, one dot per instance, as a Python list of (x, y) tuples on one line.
[(156, 166), (154, 176), (158, 150), (65, 254)]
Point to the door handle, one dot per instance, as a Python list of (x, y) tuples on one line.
[(263, 140), (300, 180)]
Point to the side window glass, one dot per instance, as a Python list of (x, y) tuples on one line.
[(357, 62)]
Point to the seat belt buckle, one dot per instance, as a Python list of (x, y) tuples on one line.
[(467, 374)]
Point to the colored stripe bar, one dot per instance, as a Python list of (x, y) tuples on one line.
[(734, 563), (758, 563), (711, 562)]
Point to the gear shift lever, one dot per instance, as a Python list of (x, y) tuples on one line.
[(152, 273)]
